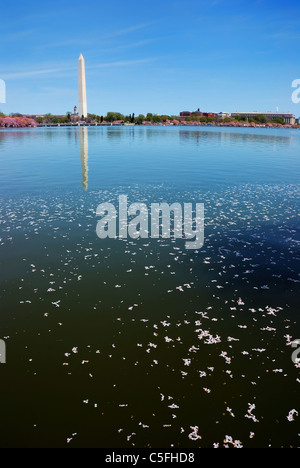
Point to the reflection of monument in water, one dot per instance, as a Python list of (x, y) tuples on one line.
[(84, 155)]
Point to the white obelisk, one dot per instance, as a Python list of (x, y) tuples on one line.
[(82, 108)]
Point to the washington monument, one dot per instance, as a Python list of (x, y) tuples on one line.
[(82, 108)]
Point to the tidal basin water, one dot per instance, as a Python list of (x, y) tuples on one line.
[(142, 343)]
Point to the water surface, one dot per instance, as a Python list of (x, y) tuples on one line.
[(136, 343)]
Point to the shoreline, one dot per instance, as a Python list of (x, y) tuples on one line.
[(229, 125)]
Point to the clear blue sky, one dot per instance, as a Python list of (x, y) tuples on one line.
[(161, 56)]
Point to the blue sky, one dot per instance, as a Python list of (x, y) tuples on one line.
[(162, 56)]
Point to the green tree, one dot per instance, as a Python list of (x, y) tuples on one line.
[(140, 119), (49, 118), (110, 117), (156, 119), (279, 120), (241, 118), (261, 119), (113, 116)]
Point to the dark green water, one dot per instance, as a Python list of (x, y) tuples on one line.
[(133, 343)]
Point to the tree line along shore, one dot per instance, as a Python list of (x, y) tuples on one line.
[(116, 118)]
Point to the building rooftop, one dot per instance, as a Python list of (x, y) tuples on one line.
[(264, 113)]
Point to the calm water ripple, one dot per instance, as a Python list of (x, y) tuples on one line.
[(136, 343)]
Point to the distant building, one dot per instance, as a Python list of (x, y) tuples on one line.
[(212, 115), (223, 115), (197, 113), (31, 116), (287, 117)]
